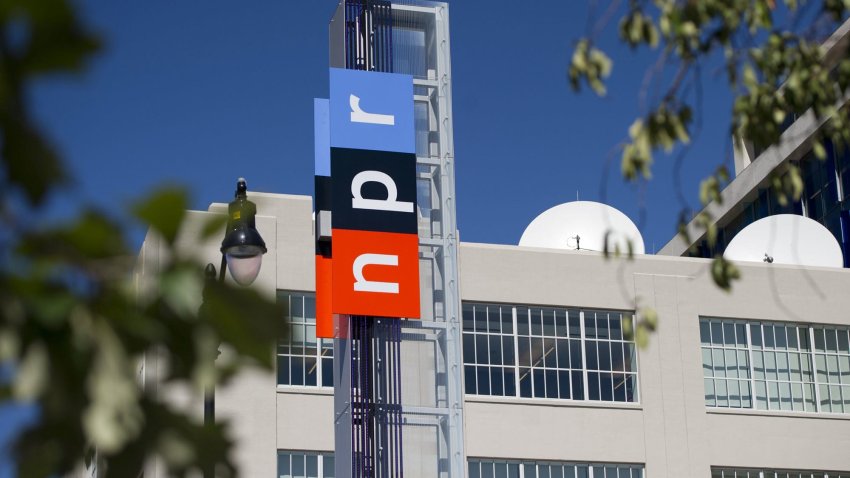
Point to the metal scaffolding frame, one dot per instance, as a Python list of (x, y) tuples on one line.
[(431, 347)]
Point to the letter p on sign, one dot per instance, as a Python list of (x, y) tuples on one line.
[(376, 274)]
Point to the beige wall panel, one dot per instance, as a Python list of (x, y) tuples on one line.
[(305, 421), (781, 442), (553, 432), (255, 433)]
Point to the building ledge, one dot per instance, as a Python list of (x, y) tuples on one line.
[(777, 414), (305, 390), (552, 402)]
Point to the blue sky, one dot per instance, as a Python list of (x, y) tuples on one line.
[(200, 93), (200, 96)]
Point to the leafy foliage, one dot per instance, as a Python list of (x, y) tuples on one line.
[(773, 70), (74, 321)]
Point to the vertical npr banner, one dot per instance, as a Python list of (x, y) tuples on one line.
[(322, 208), (375, 266)]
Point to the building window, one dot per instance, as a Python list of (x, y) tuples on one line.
[(302, 359), (299, 464), (773, 366), (549, 469), (759, 473), (547, 352)]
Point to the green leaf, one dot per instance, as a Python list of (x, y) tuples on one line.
[(723, 273), (31, 163), (819, 150), (31, 378), (164, 211), (214, 225)]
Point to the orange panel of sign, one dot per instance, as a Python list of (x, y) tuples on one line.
[(375, 273), (324, 314)]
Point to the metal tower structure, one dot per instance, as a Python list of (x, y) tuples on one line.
[(410, 37)]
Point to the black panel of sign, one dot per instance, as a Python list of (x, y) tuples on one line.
[(373, 190)]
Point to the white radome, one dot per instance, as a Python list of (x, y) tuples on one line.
[(786, 239), (558, 226)]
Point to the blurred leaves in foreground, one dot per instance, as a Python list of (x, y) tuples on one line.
[(75, 322)]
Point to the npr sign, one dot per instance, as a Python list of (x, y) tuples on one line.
[(374, 263)]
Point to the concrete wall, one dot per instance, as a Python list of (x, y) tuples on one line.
[(670, 430)]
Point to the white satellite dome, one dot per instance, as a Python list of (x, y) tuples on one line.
[(786, 239), (558, 227)]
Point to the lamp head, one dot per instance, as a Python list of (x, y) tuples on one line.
[(243, 247)]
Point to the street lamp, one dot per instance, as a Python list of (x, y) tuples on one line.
[(242, 252), (242, 248)]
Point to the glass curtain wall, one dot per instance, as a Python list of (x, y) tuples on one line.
[(826, 189)]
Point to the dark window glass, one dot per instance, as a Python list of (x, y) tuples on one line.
[(577, 386), (551, 384), (508, 350), (483, 380), (564, 384), (550, 358), (548, 322), (604, 356), (522, 321), (575, 354), (495, 350), (589, 326), (539, 383), (468, 348), (593, 385), (591, 356), (507, 321), (468, 317), (481, 352), (496, 387), (328, 372), (510, 382), (469, 380), (297, 371), (525, 382)]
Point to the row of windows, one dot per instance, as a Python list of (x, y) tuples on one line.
[(549, 469), (298, 464), (547, 352), (755, 473), (775, 366), (573, 354)]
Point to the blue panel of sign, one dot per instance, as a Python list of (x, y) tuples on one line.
[(371, 110), (322, 136)]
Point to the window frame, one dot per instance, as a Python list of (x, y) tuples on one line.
[(321, 457), (805, 349), (322, 345), (592, 468), (471, 335)]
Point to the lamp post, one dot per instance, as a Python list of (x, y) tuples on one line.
[(242, 252)]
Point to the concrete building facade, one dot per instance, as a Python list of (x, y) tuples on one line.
[(672, 423)]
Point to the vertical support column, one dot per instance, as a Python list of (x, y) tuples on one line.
[(343, 415), (457, 459)]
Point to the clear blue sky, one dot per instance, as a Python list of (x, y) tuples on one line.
[(199, 93)]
